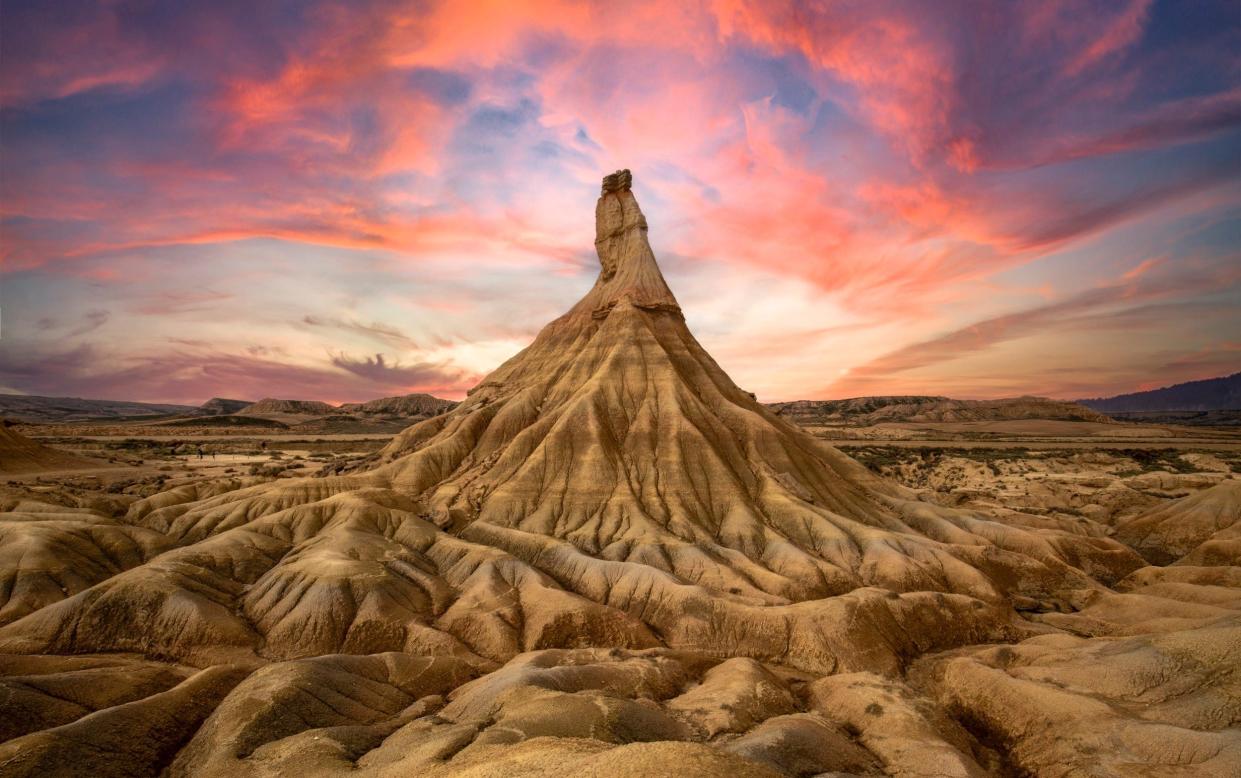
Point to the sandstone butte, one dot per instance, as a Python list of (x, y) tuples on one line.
[(610, 560)]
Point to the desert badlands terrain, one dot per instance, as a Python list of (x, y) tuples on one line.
[(610, 560)]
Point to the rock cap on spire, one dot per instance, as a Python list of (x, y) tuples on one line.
[(617, 182), (627, 267)]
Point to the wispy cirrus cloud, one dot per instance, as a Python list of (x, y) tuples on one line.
[(91, 321), (376, 331), (1136, 301)]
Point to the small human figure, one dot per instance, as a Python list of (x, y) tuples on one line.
[(201, 451)]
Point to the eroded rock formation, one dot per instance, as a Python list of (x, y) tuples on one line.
[(610, 560)]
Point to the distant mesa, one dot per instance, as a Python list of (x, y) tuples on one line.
[(36, 409), (405, 405), (1212, 394), (221, 406), (228, 420), (408, 405), (273, 406), (384, 415), (1218, 418), (864, 411)]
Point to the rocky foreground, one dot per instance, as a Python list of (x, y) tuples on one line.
[(611, 560)]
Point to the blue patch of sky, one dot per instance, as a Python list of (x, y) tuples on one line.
[(762, 75), (89, 123), (446, 87), (1188, 49), (582, 138)]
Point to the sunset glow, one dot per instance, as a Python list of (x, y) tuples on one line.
[(346, 201)]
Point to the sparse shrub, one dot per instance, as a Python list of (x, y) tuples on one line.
[(267, 471)]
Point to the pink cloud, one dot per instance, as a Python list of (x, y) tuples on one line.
[(193, 375), (1125, 304), (1117, 33), (897, 159), (77, 55)]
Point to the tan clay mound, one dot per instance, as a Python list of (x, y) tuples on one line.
[(417, 404), (1163, 704), (549, 710), (286, 411), (222, 406), (607, 486), (608, 560), (48, 554), (19, 455), (271, 405), (1202, 524)]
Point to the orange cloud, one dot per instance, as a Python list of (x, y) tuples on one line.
[(915, 167)]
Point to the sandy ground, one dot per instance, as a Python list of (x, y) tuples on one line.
[(766, 718), (1027, 429), (1068, 469), (1075, 482), (1172, 444), (141, 465), (1032, 434)]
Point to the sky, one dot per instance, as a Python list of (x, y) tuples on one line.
[(342, 201)]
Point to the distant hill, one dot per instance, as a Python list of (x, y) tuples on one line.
[(354, 424), (274, 407), (52, 410), (20, 454), (864, 411), (404, 405), (222, 406), (386, 414), (1212, 394), (1221, 418), (227, 420)]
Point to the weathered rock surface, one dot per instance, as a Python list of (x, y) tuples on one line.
[(1203, 525), (607, 560), (1161, 704), (270, 405), (413, 405)]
